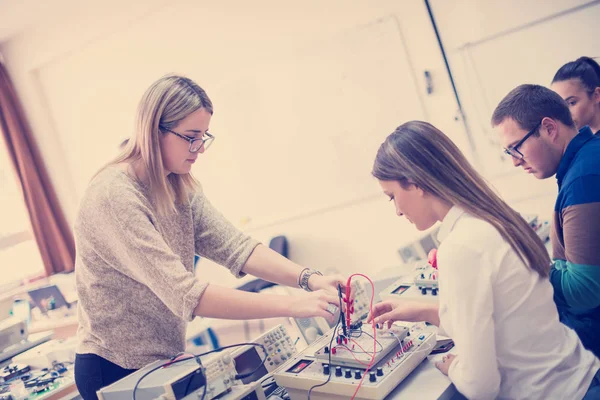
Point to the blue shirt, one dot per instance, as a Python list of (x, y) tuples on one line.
[(575, 237)]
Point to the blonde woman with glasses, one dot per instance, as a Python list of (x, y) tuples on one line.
[(495, 299), (142, 220)]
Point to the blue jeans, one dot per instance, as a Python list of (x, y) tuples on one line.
[(593, 392)]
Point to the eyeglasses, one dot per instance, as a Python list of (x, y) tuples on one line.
[(514, 150), (195, 143)]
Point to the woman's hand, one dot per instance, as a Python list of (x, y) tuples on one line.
[(314, 304), (444, 365), (330, 284), (391, 311)]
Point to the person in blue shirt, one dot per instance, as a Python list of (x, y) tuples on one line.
[(578, 82), (538, 131)]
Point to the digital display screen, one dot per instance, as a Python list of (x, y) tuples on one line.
[(299, 366), (247, 362), (400, 289)]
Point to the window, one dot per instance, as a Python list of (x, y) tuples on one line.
[(19, 255)]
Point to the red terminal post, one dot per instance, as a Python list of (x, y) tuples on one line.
[(432, 258), (349, 308)]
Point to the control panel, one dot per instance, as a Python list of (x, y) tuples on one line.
[(356, 350), (337, 372), (279, 346), (362, 301), (176, 380), (426, 278), (220, 374), (248, 361), (422, 284)]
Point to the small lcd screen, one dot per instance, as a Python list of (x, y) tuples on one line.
[(299, 366), (247, 362), (400, 289)]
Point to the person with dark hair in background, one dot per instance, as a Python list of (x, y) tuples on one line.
[(538, 132), (578, 82), (495, 298)]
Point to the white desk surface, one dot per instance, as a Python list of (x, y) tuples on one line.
[(426, 382)]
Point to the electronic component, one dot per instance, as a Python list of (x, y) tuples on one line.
[(312, 328), (442, 346), (426, 277), (279, 346), (12, 331), (423, 285), (12, 371), (252, 391), (398, 354), (362, 299), (357, 352), (45, 355), (176, 380)]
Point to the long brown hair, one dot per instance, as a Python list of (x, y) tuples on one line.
[(165, 103), (420, 153)]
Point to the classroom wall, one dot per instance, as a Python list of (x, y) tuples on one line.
[(492, 47), (80, 77), (80, 80)]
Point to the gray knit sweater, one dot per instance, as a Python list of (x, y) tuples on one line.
[(134, 268)]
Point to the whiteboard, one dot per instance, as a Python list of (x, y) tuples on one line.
[(316, 119), (486, 71)]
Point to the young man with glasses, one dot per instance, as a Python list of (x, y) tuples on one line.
[(537, 129)]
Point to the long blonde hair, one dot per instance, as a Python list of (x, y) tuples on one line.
[(166, 102), (420, 153)]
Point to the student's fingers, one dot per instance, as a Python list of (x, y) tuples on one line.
[(378, 309), (324, 313), (327, 314), (381, 308), (329, 298), (386, 317)]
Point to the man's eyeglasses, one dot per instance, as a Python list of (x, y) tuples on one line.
[(195, 143), (514, 150)]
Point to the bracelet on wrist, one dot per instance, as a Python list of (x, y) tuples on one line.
[(305, 276)]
